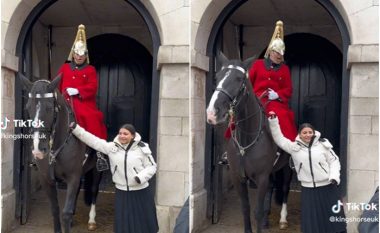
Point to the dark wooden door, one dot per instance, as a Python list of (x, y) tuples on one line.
[(124, 70), (315, 66)]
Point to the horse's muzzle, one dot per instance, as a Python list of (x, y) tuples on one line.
[(38, 154), (211, 118)]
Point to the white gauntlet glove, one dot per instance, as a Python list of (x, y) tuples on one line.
[(272, 95), (72, 91)]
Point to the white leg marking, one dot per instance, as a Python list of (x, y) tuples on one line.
[(284, 212), (92, 214)]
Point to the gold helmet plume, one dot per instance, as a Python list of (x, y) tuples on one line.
[(80, 44), (277, 42)]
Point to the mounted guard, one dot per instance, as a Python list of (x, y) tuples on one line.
[(79, 86)]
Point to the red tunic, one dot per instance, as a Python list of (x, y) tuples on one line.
[(84, 104), (262, 77)]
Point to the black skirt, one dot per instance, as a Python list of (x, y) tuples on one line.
[(316, 210), (135, 212)]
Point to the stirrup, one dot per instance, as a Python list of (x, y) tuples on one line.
[(223, 160), (101, 162)]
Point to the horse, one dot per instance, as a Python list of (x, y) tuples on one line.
[(58, 154), (252, 153)]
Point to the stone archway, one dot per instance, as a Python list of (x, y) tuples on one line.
[(208, 26), (17, 26)]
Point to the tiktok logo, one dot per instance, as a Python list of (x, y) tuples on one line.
[(4, 124), (22, 123), (336, 208)]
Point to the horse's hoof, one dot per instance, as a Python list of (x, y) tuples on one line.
[(91, 226), (283, 225)]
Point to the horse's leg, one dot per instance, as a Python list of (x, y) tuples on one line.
[(51, 192), (242, 190), (287, 175), (71, 194), (267, 204), (76, 200), (92, 180), (262, 187)]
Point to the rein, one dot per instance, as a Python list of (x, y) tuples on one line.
[(232, 111), (234, 134), (54, 153)]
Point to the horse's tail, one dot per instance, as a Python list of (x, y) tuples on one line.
[(88, 184)]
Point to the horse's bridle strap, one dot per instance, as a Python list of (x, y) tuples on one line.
[(239, 68), (225, 92), (42, 96)]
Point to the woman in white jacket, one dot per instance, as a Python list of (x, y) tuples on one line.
[(318, 170), (132, 166)]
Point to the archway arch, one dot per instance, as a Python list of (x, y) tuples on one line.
[(21, 30), (215, 27)]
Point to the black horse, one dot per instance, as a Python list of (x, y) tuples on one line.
[(252, 153), (59, 155)]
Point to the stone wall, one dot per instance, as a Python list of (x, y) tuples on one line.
[(363, 152)]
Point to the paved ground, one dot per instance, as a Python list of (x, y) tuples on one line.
[(40, 219), (231, 219)]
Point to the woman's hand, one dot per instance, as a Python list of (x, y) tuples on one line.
[(272, 115)]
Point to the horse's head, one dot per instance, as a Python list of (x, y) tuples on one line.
[(231, 80), (41, 109)]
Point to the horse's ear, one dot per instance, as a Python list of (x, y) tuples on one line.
[(221, 58), (248, 62), (25, 82), (54, 84)]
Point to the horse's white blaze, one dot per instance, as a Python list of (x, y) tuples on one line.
[(284, 212), (92, 214), (36, 136), (211, 117)]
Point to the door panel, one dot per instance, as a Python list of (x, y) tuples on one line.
[(124, 74), (315, 65)]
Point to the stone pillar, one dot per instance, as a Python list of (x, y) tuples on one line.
[(173, 134), (198, 193), (363, 124), (8, 194)]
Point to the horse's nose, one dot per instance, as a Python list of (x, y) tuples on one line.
[(211, 118)]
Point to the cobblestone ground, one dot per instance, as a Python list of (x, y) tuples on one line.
[(231, 220), (40, 219)]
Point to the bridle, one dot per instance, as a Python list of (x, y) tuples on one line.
[(242, 89), (52, 130), (235, 101)]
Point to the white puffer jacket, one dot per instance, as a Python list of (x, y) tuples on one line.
[(125, 165), (316, 165)]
